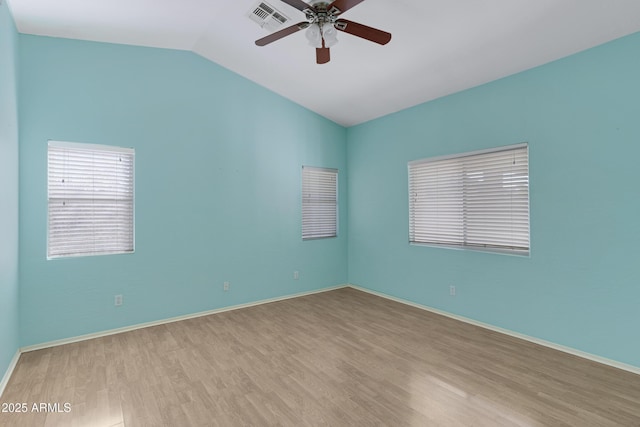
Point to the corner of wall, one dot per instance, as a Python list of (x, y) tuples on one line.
[(9, 318)]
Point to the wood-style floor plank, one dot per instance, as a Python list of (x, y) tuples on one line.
[(339, 358)]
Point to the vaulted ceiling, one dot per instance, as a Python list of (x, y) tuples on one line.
[(438, 46)]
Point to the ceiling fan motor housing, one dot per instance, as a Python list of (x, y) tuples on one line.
[(319, 13)]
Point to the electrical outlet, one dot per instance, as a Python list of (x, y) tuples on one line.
[(117, 300), (296, 275), (225, 286), (452, 290)]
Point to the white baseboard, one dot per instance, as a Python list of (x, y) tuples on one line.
[(170, 320), (565, 349), (579, 353), (9, 371)]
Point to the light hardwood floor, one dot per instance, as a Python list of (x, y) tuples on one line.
[(340, 358)]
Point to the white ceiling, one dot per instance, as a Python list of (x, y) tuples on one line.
[(438, 46)]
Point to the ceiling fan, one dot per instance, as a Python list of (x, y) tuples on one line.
[(322, 22)]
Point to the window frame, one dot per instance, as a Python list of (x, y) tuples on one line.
[(75, 146), (517, 251), (316, 236)]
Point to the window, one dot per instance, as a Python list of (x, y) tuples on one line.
[(90, 191), (319, 202), (476, 200)]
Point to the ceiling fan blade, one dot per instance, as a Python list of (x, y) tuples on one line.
[(282, 33), (343, 5), (363, 31), (298, 4), (322, 55)]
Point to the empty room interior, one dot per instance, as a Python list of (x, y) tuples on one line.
[(267, 213)]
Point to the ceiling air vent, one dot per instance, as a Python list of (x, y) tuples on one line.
[(267, 16)]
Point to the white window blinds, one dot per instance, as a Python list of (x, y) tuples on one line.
[(475, 200), (90, 191), (319, 202)]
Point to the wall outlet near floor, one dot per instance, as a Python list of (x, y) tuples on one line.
[(296, 275), (117, 300), (452, 290), (225, 286)]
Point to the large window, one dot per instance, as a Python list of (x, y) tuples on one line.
[(476, 200), (319, 202), (90, 191)]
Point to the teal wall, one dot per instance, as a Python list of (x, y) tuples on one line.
[(218, 168), (581, 285), (8, 190)]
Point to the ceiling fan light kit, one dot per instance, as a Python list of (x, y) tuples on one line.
[(314, 36), (329, 34), (323, 24)]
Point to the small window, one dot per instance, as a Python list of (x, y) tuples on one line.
[(90, 192), (476, 200), (319, 202)]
